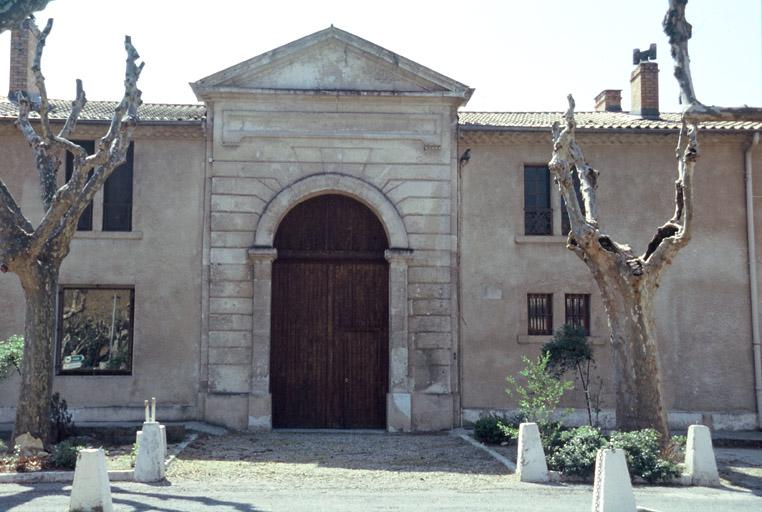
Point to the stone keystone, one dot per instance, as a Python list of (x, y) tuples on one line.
[(700, 464), (531, 466), (91, 490), (612, 491)]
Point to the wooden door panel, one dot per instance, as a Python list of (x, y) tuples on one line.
[(361, 330), (330, 309)]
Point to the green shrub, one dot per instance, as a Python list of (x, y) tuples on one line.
[(61, 425), (64, 454), (133, 454), (570, 351), (540, 396), (11, 353), (643, 455), (3, 447), (495, 430), (576, 451)]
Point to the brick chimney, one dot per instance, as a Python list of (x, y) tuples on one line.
[(645, 89), (22, 55), (609, 100)]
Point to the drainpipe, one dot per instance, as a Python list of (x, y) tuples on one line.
[(755, 343)]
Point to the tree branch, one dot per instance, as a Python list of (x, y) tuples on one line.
[(111, 151), (679, 31), (677, 232), (15, 229), (567, 158), (60, 222), (76, 108)]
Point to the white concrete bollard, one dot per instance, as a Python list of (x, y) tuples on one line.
[(163, 441), (612, 491), (531, 466), (91, 490), (700, 463), (149, 463)]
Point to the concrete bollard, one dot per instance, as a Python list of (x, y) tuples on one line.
[(531, 466), (612, 491), (149, 463), (91, 490), (700, 463), (163, 441)]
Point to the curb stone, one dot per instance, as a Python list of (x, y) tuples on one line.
[(114, 475)]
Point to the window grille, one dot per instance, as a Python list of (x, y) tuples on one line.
[(540, 308), (578, 311), (538, 215)]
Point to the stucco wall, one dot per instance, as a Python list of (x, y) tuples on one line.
[(703, 311), (160, 257)]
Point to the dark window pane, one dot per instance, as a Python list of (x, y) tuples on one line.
[(578, 311), (565, 224), (540, 308), (538, 215), (95, 330), (117, 197), (86, 219)]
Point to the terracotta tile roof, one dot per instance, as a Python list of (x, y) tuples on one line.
[(587, 121), (102, 111)]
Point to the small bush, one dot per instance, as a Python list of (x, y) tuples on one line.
[(3, 447), (643, 455), (64, 454), (495, 430), (61, 424), (540, 395), (133, 454), (576, 451), (11, 353)]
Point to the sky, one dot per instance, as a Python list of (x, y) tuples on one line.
[(519, 55)]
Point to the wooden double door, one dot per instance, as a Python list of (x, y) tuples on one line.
[(329, 362)]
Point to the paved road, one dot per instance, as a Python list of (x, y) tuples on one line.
[(195, 496)]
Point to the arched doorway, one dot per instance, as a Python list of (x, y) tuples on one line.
[(329, 358)]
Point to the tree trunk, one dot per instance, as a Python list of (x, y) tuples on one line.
[(40, 283), (637, 380)]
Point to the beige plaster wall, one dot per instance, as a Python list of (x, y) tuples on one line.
[(161, 258), (703, 307)]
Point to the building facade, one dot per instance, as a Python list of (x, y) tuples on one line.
[(309, 248)]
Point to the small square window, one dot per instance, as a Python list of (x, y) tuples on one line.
[(95, 326), (540, 308), (578, 310)]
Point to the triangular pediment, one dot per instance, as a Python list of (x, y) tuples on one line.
[(331, 60)]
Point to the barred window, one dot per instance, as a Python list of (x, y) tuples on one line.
[(85, 222), (578, 310), (540, 308), (95, 330), (565, 223), (538, 215), (117, 196)]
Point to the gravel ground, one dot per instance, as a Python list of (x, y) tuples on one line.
[(341, 461)]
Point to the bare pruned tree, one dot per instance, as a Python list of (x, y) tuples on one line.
[(35, 254), (627, 281)]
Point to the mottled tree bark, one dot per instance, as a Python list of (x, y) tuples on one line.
[(35, 254), (33, 408), (628, 282)]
